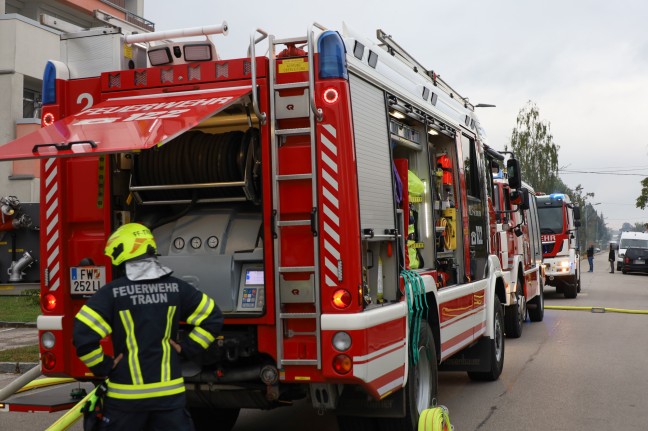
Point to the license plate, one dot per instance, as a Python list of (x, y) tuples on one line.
[(86, 280), (639, 261)]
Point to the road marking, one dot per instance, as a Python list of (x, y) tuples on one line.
[(8, 329)]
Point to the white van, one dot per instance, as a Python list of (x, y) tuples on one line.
[(630, 239)]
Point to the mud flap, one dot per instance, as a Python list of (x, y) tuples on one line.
[(356, 402), (475, 358)]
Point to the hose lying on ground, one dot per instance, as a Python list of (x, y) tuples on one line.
[(595, 309)]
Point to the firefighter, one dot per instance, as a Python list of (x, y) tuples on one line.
[(141, 310)]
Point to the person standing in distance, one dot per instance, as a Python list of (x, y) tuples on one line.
[(611, 258), (142, 311), (590, 257)]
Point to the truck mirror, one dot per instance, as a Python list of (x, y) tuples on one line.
[(513, 170), (577, 223), (525, 199), (577, 213)]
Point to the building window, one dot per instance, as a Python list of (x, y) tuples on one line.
[(31, 103)]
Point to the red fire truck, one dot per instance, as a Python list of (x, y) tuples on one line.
[(520, 252), (332, 197), (559, 219)]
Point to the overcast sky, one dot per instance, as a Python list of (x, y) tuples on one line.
[(584, 63)]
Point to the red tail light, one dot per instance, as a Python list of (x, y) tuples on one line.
[(341, 298), (49, 302), (48, 119), (342, 364), (330, 95), (49, 360)]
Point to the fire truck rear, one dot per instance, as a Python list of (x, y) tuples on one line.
[(331, 197), (559, 219)]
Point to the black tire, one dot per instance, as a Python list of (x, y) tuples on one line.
[(497, 348), (210, 419), (515, 315), (422, 385), (571, 288), (624, 271), (578, 282), (536, 306), (356, 423)]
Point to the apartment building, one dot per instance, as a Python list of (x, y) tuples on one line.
[(29, 37)]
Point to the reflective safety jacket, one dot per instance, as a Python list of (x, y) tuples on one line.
[(142, 316)]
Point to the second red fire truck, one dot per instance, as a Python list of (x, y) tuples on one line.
[(520, 250), (332, 198)]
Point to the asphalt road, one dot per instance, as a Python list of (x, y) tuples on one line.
[(576, 370)]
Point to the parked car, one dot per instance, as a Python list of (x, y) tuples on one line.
[(635, 260), (630, 239)]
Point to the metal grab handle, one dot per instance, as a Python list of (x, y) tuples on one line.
[(252, 54), (311, 72), (62, 147), (313, 221)]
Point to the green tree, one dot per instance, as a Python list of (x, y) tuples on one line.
[(627, 227), (533, 145), (642, 200), (640, 227)]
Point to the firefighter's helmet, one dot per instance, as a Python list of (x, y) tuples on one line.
[(128, 242)]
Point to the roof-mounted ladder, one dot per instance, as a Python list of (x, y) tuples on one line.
[(399, 52)]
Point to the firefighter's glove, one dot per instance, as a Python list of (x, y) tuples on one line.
[(93, 405)]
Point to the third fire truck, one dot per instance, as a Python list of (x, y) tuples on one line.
[(330, 196), (559, 219)]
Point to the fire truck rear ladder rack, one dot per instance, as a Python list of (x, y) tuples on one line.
[(276, 137)]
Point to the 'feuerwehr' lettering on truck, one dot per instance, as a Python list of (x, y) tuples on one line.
[(145, 111)]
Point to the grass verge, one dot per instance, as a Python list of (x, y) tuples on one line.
[(20, 354), (24, 308)]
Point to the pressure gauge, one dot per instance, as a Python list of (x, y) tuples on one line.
[(212, 242), (179, 243), (196, 242)]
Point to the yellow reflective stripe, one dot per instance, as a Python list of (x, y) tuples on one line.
[(149, 390), (202, 337), (133, 350), (201, 312), (166, 346), (93, 358), (94, 321)]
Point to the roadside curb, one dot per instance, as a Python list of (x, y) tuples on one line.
[(17, 324), (16, 367)]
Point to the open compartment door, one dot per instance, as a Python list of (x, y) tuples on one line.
[(124, 124)]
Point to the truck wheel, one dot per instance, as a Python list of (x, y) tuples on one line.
[(515, 315), (357, 423), (536, 306), (211, 419), (578, 283), (422, 385), (497, 348), (571, 288)]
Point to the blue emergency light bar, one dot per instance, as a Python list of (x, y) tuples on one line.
[(332, 56), (49, 84)]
